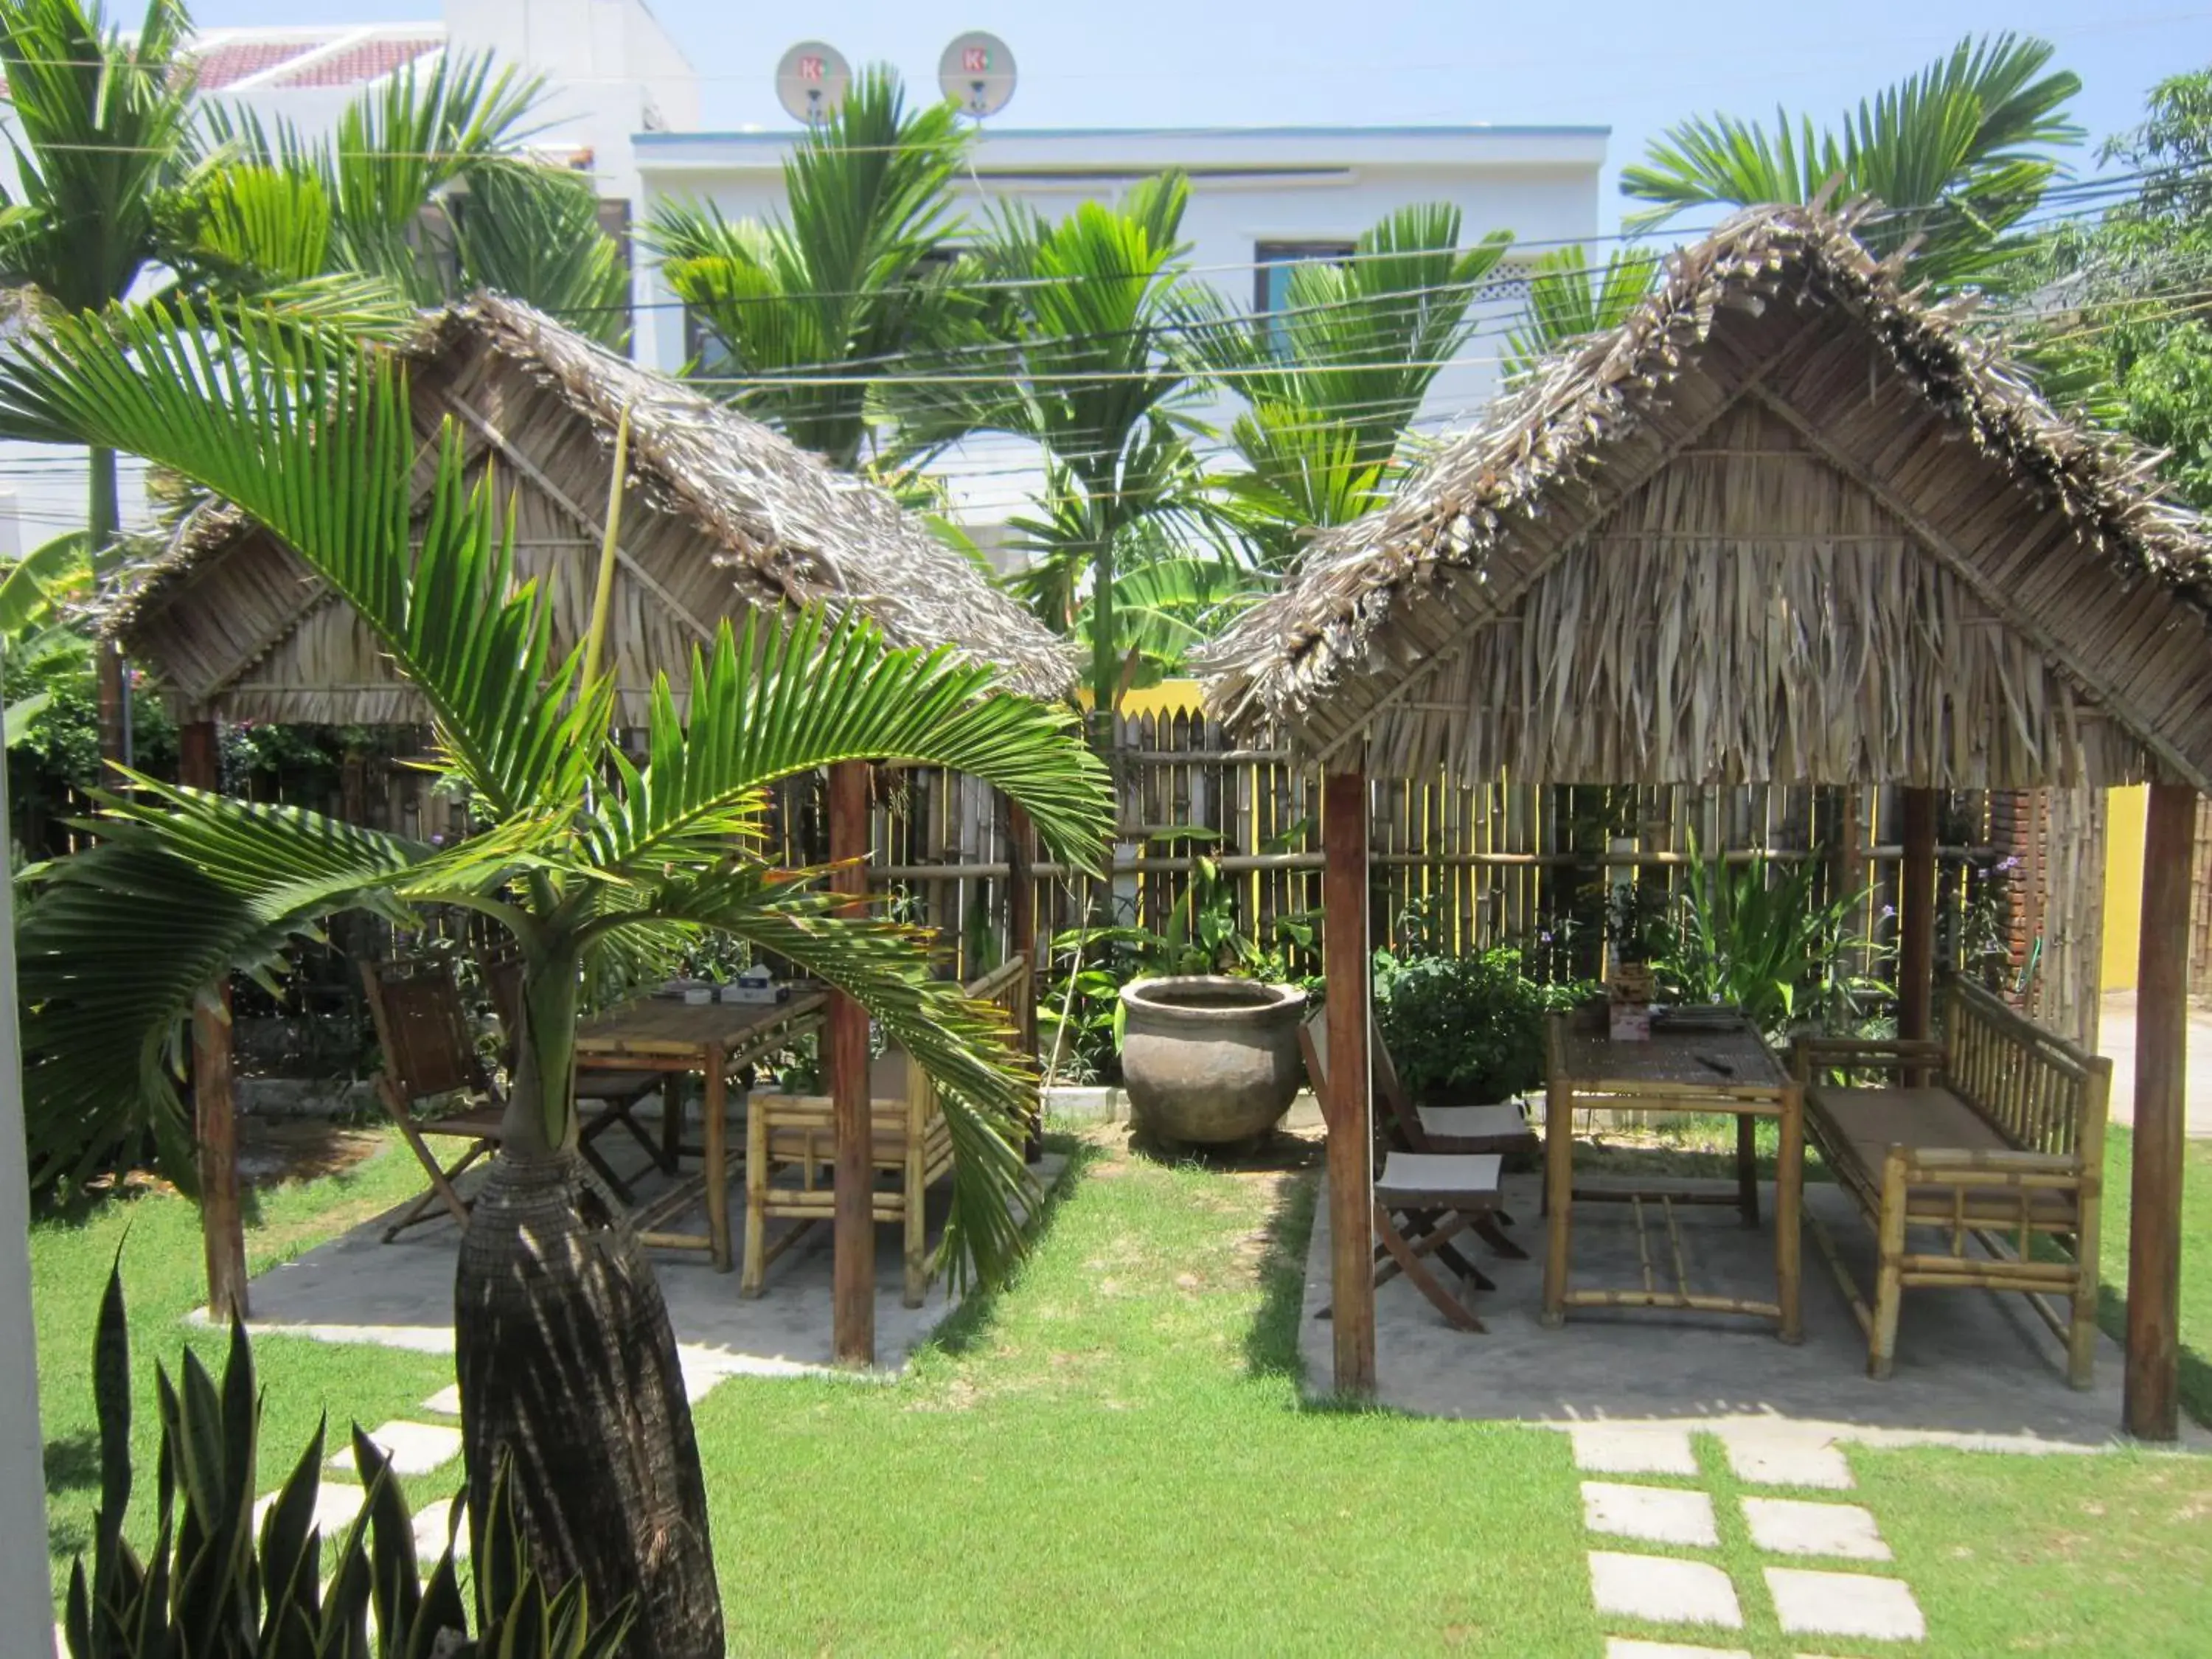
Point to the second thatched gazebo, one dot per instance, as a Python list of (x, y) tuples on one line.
[(1792, 521), (721, 516)]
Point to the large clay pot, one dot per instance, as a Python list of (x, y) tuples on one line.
[(1210, 1061)]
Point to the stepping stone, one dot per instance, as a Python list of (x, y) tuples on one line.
[(413, 1448), (1665, 1591), (1619, 1449), (1627, 1647), (1845, 1604), (447, 1402), (1788, 1460), (430, 1526), (1788, 1527), (1659, 1515), (337, 1503)]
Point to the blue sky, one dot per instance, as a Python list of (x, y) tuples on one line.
[(1171, 63)]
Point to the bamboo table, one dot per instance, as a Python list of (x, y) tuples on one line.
[(1708, 1060), (714, 1039)]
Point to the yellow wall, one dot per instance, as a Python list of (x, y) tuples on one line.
[(2124, 812), (1169, 697)]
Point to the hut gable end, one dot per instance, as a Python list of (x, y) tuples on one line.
[(1789, 523), (719, 516)]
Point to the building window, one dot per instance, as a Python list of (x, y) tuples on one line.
[(1271, 269), (706, 351)]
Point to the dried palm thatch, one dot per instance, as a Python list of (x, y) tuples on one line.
[(1790, 522), (722, 514)]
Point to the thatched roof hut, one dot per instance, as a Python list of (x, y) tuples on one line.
[(1791, 521), (722, 514)]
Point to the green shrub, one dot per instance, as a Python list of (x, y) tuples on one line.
[(1466, 1028)]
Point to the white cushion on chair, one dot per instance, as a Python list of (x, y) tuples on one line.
[(1442, 1177), (1500, 1122)]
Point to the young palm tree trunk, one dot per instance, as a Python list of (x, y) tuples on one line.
[(566, 1358), (104, 514)]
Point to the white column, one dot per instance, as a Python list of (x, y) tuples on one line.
[(27, 1622)]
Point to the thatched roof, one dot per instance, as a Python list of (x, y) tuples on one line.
[(1791, 521), (723, 514)]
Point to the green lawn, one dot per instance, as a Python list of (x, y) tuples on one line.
[(1112, 1456), (2196, 1263)]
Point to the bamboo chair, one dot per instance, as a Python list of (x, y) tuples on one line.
[(1423, 1201), (792, 1138), (430, 1056), (616, 1095)]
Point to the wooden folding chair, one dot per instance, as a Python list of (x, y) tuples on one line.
[(614, 1096), (430, 1055), (1422, 1202), (1500, 1128)]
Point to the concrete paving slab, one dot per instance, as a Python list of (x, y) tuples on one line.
[(447, 1402), (413, 1448), (431, 1525), (2116, 1041), (1778, 1458), (1973, 1369), (1663, 1590), (356, 1288), (1845, 1604), (1657, 1514), (1633, 1449), (1787, 1526), (337, 1503), (1627, 1647)]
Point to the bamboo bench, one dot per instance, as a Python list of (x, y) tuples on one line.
[(1996, 1134)]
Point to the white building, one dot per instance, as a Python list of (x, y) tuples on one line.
[(611, 70), (1260, 198)]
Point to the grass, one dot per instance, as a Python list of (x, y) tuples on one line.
[(164, 1279), (1112, 1455), (2195, 1262)]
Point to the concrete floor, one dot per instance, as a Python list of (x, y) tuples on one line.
[(1971, 1369), (357, 1288), (2116, 1040)]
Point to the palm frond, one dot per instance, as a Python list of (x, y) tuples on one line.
[(232, 883), (313, 436), (787, 698)]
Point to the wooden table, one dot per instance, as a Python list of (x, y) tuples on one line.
[(1704, 1060), (714, 1039)]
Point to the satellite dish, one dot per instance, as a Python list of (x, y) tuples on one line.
[(810, 82), (977, 73)]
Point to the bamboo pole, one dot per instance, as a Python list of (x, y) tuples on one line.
[(214, 1106), (2151, 1398), (1021, 941), (1350, 1109), (1916, 956), (845, 1059)]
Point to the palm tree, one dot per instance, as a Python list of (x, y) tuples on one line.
[(1335, 377), (422, 188), (1959, 153), (1569, 297), (101, 129), (1072, 350), (810, 309), (564, 1351)]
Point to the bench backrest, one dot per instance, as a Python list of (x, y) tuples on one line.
[(2040, 1093)]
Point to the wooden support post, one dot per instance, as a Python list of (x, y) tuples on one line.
[(846, 1059), (1021, 940), (1915, 904), (2151, 1396), (214, 1107), (1349, 1108)]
